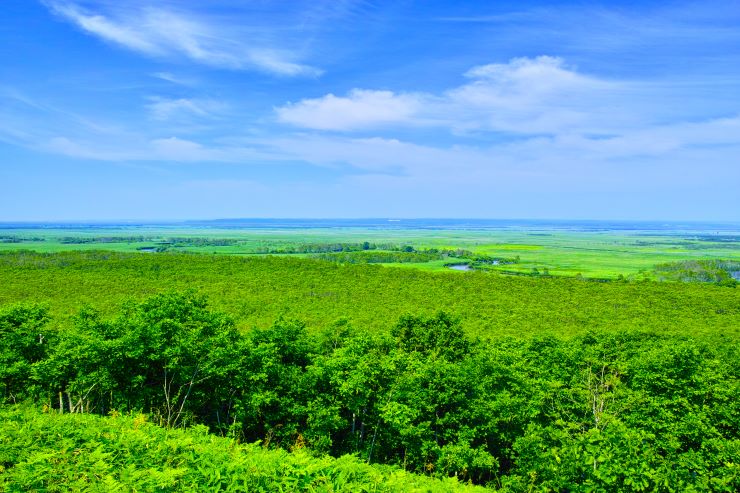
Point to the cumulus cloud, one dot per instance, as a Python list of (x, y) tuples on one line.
[(523, 83), (534, 95), (359, 109), (160, 32), (525, 95)]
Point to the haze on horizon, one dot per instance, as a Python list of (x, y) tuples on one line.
[(356, 108)]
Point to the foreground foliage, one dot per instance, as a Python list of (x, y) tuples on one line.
[(602, 411), (73, 452)]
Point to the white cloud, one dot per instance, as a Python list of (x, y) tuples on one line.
[(523, 78), (160, 32), (524, 84), (174, 149), (393, 157), (359, 109), (540, 159), (162, 109), (654, 141), (126, 35), (174, 79), (277, 61), (534, 95), (567, 124), (72, 148), (169, 149), (525, 95), (478, 161)]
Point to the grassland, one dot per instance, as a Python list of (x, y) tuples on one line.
[(560, 252)]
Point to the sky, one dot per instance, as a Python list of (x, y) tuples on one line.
[(168, 110)]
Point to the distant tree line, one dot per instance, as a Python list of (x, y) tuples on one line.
[(19, 239), (323, 247), (409, 254), (378, 256), (81, 240), (175, 241), (721, 272)]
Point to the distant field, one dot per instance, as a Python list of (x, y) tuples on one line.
[(555, 251)]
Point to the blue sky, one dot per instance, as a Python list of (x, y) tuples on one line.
[(344, 108)]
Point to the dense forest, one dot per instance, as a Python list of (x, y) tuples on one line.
[(359, 378), (721, 272), (256, 291), (603, 410)]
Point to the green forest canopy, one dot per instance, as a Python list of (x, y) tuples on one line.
[(601, 411), (519, 383), (256, 291)]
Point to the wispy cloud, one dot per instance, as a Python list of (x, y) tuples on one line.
[(160, 32), (543, 156), (162, 109), (482, 105), (169, 149), (491, 18), (172, 78)]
